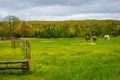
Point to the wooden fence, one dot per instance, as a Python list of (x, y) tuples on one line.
[(19, 64)]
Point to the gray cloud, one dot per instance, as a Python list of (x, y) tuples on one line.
[(60, 9)]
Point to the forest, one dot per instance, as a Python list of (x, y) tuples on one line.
[(59, 29)]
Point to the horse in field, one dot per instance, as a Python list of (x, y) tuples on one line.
[(106, 37), (87, 37), (94, 38)]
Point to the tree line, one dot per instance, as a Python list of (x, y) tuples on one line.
[(59, 29)]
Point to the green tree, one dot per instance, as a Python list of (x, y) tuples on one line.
[(26, 30)]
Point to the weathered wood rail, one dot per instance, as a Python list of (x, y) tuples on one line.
[(22, 64), (19, 64)]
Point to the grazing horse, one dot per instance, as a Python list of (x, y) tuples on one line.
[(87, 37), (106, 37), (94, 38)]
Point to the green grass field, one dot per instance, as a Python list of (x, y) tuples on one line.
[(66, 59)]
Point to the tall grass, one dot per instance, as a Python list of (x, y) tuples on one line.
[(67, 59)]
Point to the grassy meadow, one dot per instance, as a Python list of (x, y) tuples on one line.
[(66, 59)]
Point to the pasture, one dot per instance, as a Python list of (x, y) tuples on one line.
[(66, 59)]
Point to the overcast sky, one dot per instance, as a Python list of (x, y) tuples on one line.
[(60, 9)]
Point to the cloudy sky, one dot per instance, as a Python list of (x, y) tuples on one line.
[(60, 9)]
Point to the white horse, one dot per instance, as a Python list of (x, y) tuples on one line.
[(106, 37)]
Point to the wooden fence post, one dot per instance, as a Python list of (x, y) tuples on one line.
[(13, 43), (28, 52)]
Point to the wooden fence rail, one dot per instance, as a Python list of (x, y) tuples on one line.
[(18, 64)]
